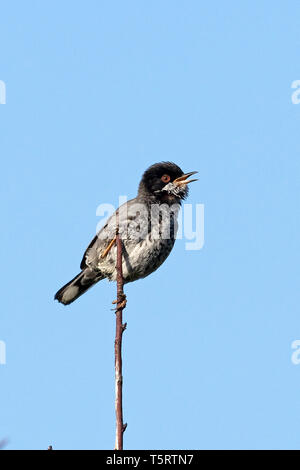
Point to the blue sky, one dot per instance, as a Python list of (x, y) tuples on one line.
[(96, 92)]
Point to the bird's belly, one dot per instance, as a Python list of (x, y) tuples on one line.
[(139, 259), (143, 252), (145, 258)]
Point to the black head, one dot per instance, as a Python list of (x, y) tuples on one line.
[(165, 182)]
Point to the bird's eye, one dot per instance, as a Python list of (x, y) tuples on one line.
[(165, 178)]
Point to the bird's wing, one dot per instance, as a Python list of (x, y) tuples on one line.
[(126, 217), (83, 261)]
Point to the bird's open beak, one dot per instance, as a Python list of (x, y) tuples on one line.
[(183, 180)]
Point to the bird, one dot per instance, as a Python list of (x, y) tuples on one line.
[(147, 226)]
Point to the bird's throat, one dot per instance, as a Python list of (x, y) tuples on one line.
[(170, 199)]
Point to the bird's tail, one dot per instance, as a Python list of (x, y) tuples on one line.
[(78, 286)]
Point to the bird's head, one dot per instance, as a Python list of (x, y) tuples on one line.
[(166, 182)]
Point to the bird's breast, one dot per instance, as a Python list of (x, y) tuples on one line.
[(145, 246)]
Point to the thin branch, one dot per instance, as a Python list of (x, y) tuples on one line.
[(120, 327)]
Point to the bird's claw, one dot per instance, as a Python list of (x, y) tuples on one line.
[(120, 304)]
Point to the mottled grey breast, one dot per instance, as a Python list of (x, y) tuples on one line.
[(148, 234)]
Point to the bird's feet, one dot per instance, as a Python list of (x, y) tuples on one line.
[(122, 303)]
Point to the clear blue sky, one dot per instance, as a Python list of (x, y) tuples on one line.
[(96, 92)]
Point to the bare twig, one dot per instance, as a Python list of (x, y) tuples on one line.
[(121, 303)]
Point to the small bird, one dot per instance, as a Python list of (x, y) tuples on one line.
[(147, 226)]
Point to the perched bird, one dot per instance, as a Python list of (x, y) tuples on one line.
[(147, 226)]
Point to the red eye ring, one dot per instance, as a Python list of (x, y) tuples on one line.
[(165, 178)]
